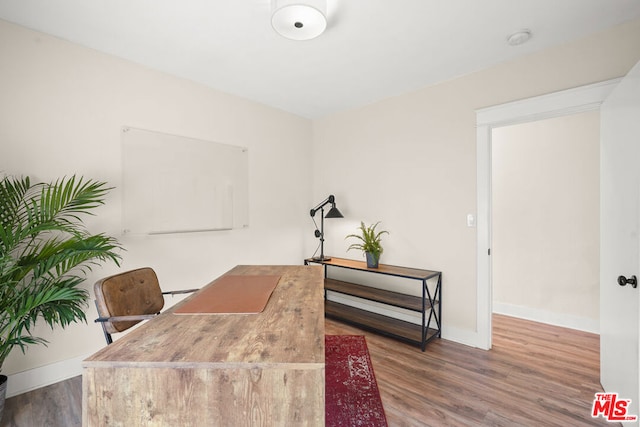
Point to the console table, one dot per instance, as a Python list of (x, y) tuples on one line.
[(428, 305)]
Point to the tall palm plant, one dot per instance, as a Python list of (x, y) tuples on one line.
[(45, 254)]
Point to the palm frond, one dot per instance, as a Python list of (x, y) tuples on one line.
[(45, 254)]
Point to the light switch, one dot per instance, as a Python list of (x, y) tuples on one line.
[(471, 220)]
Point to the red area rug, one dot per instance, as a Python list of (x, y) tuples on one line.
[(352, 397)]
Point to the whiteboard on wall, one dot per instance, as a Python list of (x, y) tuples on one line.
[(174, 184)]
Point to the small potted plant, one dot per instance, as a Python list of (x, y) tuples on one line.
[(369, 243)]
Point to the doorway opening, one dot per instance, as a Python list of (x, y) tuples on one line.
[(577, 100), (545, 220)]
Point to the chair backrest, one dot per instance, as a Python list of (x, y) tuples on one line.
[(129, 293)]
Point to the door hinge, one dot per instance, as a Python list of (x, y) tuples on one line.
[(489, 251)]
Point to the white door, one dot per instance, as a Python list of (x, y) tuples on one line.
[(619, 243)]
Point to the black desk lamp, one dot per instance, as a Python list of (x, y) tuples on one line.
[(333, 213)]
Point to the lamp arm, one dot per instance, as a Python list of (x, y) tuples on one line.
[(331, 199)]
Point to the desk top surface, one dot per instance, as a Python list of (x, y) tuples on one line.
[(290, 329)]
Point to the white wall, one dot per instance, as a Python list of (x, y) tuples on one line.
[(410, 161), (545, 229), (61, 111)]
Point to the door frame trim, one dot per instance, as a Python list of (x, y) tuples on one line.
[(561, 103)]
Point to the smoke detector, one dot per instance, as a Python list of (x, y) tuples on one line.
[(519, 37)]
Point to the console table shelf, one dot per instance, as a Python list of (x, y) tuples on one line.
[(409, 302), (428, 305)]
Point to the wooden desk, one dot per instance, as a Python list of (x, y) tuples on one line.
[(218, 370)]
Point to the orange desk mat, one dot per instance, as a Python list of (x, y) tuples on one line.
[(232, 294)]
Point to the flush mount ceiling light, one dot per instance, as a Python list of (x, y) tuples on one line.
[(299, 19), (519, 37)]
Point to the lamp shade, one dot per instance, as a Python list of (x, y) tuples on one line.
[(334, 213), (299, 20)]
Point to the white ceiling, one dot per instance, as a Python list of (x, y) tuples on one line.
[(372, 49)]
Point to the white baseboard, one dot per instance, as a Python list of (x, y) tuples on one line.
[(551, 318), (32, 379)]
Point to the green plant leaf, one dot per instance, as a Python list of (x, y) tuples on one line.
[(369, 239), (45, 254)]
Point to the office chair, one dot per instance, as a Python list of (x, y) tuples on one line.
[(125, 299)]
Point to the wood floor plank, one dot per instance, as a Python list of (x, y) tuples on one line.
[(535, 375), (57, 405)]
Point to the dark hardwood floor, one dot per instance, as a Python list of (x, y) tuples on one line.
[(535, 375)]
